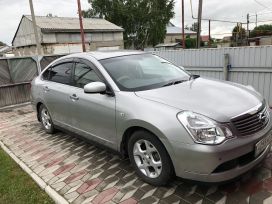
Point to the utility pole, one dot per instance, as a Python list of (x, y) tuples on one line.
[(247, 22), (38, 43), (256, 19), (183, 34), (209, 33), (199, 23), (81, 26), (247, 34)]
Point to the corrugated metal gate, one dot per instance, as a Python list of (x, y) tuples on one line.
[(246, 65), (16, 75)]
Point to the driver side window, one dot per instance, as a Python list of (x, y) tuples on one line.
[(84, 75)]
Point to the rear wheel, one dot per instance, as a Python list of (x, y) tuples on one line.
[(46, 120), (150, 158)]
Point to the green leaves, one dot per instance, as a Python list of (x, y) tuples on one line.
[(144, 21), (261, 30)]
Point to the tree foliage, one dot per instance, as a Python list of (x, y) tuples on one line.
[(190, 42), (2, 44), (238, 33), (144, 22), (238, 36), (261, 30)]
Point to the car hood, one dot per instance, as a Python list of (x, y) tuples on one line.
[(215, 99)]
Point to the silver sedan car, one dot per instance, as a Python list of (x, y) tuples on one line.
[(167, 121)]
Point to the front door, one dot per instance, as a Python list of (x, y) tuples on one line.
[(93, 114)]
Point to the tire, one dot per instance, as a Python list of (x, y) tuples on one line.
[(152, 164), (46, 120)]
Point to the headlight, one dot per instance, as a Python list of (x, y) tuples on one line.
[(204, 130)]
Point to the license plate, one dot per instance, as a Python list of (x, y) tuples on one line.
[(262, 144)]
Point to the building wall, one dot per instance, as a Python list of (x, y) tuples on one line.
[(25, 34), (76, 37), (66, 48), (65, 43), (266, 41), (61, 42)]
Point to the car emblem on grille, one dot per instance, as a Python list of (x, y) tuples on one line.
[(262, 117)]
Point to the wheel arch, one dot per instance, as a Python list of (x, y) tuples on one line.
[(38, 105), (142, 125)]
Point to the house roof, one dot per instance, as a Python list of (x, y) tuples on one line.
[(67, 24), (5, 49), (172, 29)]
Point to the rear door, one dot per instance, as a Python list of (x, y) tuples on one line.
[(56, 91)]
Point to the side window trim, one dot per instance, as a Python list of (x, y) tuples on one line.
[(96, 70), (70, 60), (74, 73)]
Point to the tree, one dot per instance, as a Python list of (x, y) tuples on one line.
[(261, 30), (2, 44), (238, 35), (144, 22), (190, 42)]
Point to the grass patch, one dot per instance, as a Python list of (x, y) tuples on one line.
[(16, 186)]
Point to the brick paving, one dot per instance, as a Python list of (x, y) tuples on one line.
[(84, 173)]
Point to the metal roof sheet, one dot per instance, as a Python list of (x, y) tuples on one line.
[(67, 24)]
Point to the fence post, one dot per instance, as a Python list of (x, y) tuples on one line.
[(37, 59), (226, 67)]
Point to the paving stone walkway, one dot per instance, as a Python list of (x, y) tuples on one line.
[(84, 173)]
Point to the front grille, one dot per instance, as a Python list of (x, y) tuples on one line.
[(251, 123)]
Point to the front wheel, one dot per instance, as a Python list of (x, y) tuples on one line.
[(46, 120), (150, 158)]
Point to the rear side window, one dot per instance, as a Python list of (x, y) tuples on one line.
[(60, 73), (84, 75)]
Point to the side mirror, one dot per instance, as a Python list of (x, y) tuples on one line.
[(95, 87)]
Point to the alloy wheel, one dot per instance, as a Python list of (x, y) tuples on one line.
[(46, 120), (147, 158)]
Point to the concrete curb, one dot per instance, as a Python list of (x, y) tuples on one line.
[(50, 191)]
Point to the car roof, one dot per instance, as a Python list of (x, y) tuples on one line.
[(100, 55)]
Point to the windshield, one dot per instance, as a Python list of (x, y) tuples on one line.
[(143, 72)]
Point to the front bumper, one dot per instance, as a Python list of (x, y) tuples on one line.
[(220, 162)]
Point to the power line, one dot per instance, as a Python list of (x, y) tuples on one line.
[(260, 13), (209, 19), (262, 4)]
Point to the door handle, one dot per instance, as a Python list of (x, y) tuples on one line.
[(46, 89), (74, 97)]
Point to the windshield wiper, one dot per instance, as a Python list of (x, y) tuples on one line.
[(174, 83)]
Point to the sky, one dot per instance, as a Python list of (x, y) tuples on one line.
[(233, 10)]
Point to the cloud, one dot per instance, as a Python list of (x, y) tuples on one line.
[(12, 11), (235, 10), (232, 10)]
